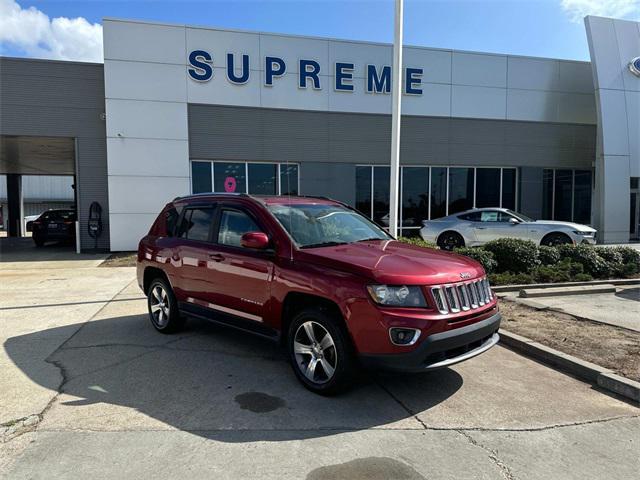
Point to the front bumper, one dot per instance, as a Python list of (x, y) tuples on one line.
[(440, 350)]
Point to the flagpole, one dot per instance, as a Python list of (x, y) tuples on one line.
[(396, 100)]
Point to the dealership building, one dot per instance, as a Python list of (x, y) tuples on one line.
[(178, 109)]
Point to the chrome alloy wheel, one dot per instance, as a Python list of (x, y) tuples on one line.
[(159, 305), (315, 352)]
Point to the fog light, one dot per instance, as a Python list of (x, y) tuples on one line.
[(404, 336)]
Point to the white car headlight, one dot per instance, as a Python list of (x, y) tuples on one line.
[(585, 234), (397, 295)]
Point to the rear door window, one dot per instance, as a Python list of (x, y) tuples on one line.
[(196, 223)]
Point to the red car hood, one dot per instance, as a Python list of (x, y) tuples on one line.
[(395, 263)]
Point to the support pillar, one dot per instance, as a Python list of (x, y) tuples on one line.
[(14, 200)]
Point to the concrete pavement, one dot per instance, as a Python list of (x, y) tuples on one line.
[(108, 397)]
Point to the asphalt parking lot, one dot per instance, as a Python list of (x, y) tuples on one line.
[(88, 388)]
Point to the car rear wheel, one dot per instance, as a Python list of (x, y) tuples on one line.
[(163, 307), (557, 238), (320, 352), (450, 241)]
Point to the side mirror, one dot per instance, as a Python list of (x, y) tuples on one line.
[(514, 221), (256, 240)]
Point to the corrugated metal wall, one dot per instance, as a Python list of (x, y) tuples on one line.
[(65, 99), (328, 144), (218, 132), (42, 188)]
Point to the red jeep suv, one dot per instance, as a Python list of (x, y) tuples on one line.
[(319, 277)]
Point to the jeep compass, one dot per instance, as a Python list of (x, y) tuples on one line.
[(334, 288)]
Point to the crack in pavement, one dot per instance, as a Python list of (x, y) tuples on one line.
[(505, 470), (31, 422), (493, 456)]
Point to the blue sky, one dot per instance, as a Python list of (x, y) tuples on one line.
[(546, 28)]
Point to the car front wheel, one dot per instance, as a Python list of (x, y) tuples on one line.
[(554, 239), (320, 352)]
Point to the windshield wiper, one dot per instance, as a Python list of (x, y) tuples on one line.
[(370, 239), (324, 244)]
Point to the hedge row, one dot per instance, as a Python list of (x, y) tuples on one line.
[(514, 261)]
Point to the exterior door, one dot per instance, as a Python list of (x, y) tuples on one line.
[(496, 224), (190, 258), (239, 278), (634, 220)]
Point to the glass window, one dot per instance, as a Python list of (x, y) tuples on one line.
[(262, 178), (471, 217), (288, 179), (229, 177), (438, 192), (460, 189), (415, 196), (381, 195), (547, 194), (509, 188), (196, 224), (582, 197), (489, 216), (562, 195), (363, 190), (316, 225), (201, 177), (234, 224), (487, 187), (171, 221)]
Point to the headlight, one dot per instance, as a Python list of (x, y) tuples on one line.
[(584, 234), (398, 296)]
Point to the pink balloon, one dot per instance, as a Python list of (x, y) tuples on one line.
[(230, 184)]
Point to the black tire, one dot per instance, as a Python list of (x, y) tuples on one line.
[(163, 307), (555, 238), (338, 356), (450, 240), (39, 241)]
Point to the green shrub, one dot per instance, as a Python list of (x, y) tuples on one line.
[(630, 269), (582, 277), (564, 271), (417, 241), (508, 278), (548, 255), (514, 255), (550, 274), (630, 258), (613, 258), (480, 255), (593, 264)]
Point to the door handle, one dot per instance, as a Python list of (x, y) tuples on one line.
[(216, 257), (481, 228)]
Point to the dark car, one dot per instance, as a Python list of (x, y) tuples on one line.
[(54, 225), (314, 274)]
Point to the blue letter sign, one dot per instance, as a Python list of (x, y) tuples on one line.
[(231, 74), (344, 72), (309, 69), (413, 80), (378, 83), (274, 67), (200, 60)]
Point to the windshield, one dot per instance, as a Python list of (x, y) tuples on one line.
[(521, 216), (323, 225)]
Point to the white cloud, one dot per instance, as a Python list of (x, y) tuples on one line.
[(33, 32), (578, 9)]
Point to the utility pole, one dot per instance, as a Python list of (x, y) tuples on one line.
[(396, 100)]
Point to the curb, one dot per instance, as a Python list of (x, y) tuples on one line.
[(515, 288), (564, 291), (582, 369)]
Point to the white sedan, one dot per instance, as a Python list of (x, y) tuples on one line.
[(478, 226)]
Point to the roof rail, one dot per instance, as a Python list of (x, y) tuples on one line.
[(211, 194)]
